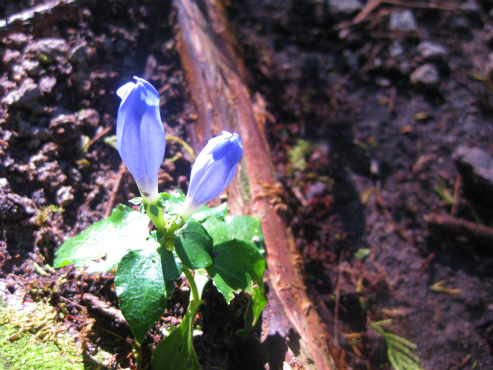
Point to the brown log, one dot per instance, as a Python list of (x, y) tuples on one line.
[(216, 80)]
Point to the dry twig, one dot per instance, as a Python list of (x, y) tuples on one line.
[(455, 226)]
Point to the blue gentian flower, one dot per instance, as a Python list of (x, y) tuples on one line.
[(140, 136), (212, 171)]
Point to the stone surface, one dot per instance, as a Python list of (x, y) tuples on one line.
[(65, 196), (47, 83), (427, 75), (403, 20), (63, 128), (476, 167), (432, 50), (344, 6)]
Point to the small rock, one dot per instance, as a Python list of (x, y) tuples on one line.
[(16, 40), (476, 167), (31, 67), (88, 119), (4, 184), (403, 20), (396, 49), (344, 7), (13, 207), (38, 196), (50, 175), (427, 75), (78, 54), (6, 85), (26, 96), (10, 56), (63, 128), (49, 49), (459, 23), (431, 50), (65, 196), (46, 84)]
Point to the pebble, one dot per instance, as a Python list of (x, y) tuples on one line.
[(78, 54), (476, 167), (396, 49), (427, 75), (63, 128), (65, 196), (10, 56), (14, 207), (403, 20), (26, 96), (31, 67), (16, 40), (46, 84), (88, 119), (345, 7), (431, 50), (50, 175)]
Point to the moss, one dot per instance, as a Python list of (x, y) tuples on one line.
[(36, 341)]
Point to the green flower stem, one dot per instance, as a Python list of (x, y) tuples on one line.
[(191, 281)]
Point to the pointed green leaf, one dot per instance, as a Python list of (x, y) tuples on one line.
[(193, 245), (173, 202), (238, 265), (141, 289), (245, 228), (125, 229), (204, 212), (176, 352)]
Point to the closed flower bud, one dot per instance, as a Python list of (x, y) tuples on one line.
[(212, 171), (140, 136)]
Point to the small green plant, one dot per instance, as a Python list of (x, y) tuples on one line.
[(188, 238), (45, 212), (400, 351)]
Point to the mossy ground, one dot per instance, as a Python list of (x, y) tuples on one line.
[(35, 340)]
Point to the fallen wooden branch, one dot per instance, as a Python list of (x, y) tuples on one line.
[(215, 76), (458, 227), (42, 13)]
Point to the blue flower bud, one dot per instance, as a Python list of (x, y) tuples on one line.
[(212, 171), (140, 136)]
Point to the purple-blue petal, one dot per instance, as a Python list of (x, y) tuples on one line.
[(215, 167), (140, 135)]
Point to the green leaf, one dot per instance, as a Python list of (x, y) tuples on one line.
[(193, 245), (245, 228), (125, 229), (176, 352), (253, 312), (172, 204), (171, 266), (204, 212), (141, 289), (238, 265)]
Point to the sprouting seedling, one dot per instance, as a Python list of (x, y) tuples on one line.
[(400, 351)]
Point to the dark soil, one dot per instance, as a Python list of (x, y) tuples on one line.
[(363, 150)]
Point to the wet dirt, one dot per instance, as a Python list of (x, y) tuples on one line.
[(362, 136)]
